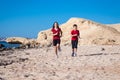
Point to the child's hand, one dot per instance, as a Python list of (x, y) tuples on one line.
[(74, 35), (56, 33)]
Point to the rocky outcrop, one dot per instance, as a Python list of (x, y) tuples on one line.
[(91, 33), (17, 40), (116, 26), (45, 38), (26, 43)]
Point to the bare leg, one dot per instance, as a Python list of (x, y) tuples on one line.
[(56, 51), (59, 48)]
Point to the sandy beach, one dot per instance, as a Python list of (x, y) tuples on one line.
[(59, 39), (91, 63)]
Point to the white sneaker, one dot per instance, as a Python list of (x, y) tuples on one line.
[(74, 55)]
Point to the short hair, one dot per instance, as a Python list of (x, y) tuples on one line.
[(75, 25)]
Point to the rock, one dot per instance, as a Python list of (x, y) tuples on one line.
[(115, 26), (45, 43), (22, 59), (5, 62), (33, 43), (1, 45), (91, 33), (45, 38), (2, 78), (42, 36), (18, 40), (26, 43), (103, 49)]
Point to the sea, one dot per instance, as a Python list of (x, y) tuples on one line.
[(8, 45)]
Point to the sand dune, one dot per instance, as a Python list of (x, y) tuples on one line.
[(91, 63)]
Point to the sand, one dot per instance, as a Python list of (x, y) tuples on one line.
[(91, 63)]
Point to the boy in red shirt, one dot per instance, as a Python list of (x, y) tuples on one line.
[(57, 33), (74, 40)]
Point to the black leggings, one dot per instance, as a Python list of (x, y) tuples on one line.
[(74, 43)]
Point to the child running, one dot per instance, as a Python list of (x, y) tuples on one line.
[(57, 33), (74, 40)]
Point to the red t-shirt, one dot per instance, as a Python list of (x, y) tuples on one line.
[(73, 32), (56, 31)]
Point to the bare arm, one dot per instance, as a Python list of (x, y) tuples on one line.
[(73, 35), (79, 36), (61, 33)]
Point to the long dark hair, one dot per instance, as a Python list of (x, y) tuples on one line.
[(54, 25)]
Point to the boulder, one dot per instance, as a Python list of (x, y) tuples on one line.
[(45, 38)]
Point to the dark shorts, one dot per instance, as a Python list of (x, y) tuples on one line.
[(55, 42), (74, 43)]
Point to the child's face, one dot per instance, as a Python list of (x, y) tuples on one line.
[(75, 27), (55, 25)]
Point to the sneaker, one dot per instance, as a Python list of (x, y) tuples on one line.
[(72, 54), (75, 54)]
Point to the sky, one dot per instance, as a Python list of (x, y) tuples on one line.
[(25, 18)]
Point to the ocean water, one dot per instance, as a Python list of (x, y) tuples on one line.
[(7, 45)]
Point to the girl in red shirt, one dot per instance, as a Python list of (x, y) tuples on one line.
[(74, 40), (57, 33)]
